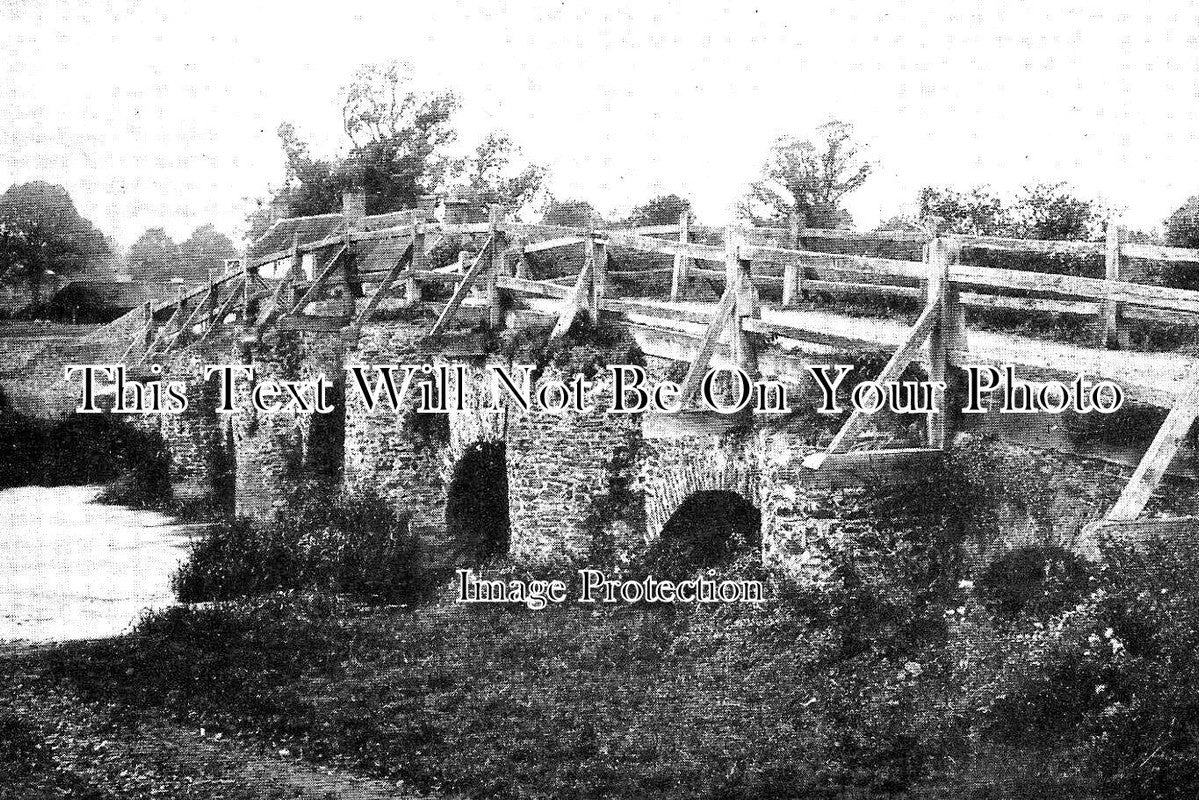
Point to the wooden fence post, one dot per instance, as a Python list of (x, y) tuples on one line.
[(948, 335), (793, 273), (148, 331), (1111, 311), (495, 312), (678, 281), (412, 287), (599, 270), (739, 280)]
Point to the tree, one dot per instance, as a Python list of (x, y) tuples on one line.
[(309, 187), (1050, 212), (399, 141), (154, 257), (809, 178), (203, 254), (1046, 211), (975, 213), (489, 176), (42, 232), (571, 213), (665, 209), (1182, 227)]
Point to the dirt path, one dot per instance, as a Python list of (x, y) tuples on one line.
[(54, 744)]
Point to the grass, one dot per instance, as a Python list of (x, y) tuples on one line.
[(494, 703)]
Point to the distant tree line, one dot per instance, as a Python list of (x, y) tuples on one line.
[(402, 143)]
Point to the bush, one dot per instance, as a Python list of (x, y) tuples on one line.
[(1035, 581), (351, 544), (79, 449)]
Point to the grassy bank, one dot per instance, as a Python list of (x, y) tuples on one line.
[(1081, 687), (898, 673)]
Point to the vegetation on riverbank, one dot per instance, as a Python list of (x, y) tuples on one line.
[(78, 449), (900, 672), (868, 686)]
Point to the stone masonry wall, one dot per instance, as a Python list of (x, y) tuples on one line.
[(271, 449), (557, 466)]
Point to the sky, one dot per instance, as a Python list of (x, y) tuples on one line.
[(164, 113)]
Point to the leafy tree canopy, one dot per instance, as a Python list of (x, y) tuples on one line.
[(399, 148), (665, 209), (1182, 227), (809, 177), (1042, 211), (572, 213), (41, 231), (155, 257), (203, 254)]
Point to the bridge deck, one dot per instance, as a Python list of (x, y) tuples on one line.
[(1155, 378)]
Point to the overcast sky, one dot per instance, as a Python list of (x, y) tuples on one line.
[(164, 113)]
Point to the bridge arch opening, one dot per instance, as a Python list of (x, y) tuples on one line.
[(476, 509), (708, 529), (325, 454)]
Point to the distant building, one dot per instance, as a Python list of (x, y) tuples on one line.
[(99, 301)]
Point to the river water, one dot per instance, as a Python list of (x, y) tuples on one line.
[(71, 568)]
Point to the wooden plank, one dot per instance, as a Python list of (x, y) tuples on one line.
[(769, 328), (899, 361), (647, 244), (534, 288), (1138, 529), (655, 230), (1110, 336), (1028, 245), (1080, 308), (1161, 452), (847, 287), (553, 244), (940, 257), (1153, 252), (678, 280), (377, 296), (699, 366), (835, 233), (870, 265), (495, 313), (1090, 288), (632, 306), (415, 253), (481, 263), (597, 253), (635, 274), (575, 301)]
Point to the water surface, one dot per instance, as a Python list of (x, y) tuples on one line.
[(71, 568)]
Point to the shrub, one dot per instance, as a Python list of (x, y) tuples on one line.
[(1035, 581), (79, 449), (351, 544)]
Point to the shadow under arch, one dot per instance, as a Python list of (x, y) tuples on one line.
[(476, 508), (709, 528)]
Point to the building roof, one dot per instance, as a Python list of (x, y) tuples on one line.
[(284, 232), (115, 294)]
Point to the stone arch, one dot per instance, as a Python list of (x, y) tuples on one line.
[(476, 503), (677, 469), (710, 527)]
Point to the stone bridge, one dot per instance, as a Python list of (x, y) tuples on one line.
[(318, 294)]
